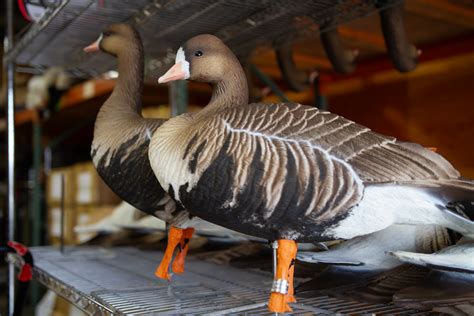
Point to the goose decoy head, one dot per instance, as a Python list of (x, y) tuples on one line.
[(203, 58), (114, 39)]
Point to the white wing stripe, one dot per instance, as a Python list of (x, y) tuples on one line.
[(294, 141)]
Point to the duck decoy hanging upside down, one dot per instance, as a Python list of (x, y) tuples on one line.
[(121, 139), (291, 172)]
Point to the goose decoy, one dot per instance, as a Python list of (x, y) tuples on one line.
[(370, 253), (290, 172), (448, 288), (457, 258), (121, 139)]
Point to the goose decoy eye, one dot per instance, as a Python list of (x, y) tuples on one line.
[(107, 33), (198, 53)]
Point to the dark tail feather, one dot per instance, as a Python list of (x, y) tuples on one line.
[(448, 190), (457, 201)]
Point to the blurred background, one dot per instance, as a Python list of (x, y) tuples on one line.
[(59, 90)]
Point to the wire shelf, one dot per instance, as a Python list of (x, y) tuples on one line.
[(120, 281), (58, 39)]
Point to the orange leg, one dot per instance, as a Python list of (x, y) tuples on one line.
[(286, 254), (178, 263), (174, 238), (290, 297)]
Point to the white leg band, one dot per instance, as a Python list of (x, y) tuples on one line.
[(280, 286)]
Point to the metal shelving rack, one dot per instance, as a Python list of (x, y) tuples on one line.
[(58, 39), (120, 281)]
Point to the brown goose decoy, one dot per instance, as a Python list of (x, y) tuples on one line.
[(120, 145), (291, 172)]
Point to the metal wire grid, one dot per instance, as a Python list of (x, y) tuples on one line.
[(121, 281), (55, 283), (58, 39), (202, 300), (190, 299)]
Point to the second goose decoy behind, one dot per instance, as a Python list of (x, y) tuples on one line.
[(291, 172), (120, 145)]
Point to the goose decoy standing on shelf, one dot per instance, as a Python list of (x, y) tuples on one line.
[(121, 139), (291, 172)]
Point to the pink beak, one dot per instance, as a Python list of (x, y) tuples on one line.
[(174, 73), (94, 47)]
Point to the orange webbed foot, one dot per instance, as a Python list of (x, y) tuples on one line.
[(179, 260), (174, 238), (277, 303)]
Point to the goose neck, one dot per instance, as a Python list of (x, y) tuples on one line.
[(129, 85), (229, 92)]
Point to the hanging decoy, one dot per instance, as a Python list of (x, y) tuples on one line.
[(342, 59), (290, 172), (403, 54)]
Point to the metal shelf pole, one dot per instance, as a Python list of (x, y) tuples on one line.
[(36, 208), (178, 92), (36, 205), (10, 68), (269, 82)]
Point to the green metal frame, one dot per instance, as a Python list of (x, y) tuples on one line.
[(178, 95), (37, 190), (269, 82)]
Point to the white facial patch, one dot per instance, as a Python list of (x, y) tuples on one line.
[(101, 37), (181, 58)]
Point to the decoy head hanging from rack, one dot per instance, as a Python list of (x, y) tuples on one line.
[(114, 39)]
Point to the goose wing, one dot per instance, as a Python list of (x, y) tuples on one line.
[(375, 158), (311, 162)]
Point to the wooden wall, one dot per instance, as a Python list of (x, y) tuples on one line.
[(433, 106)]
